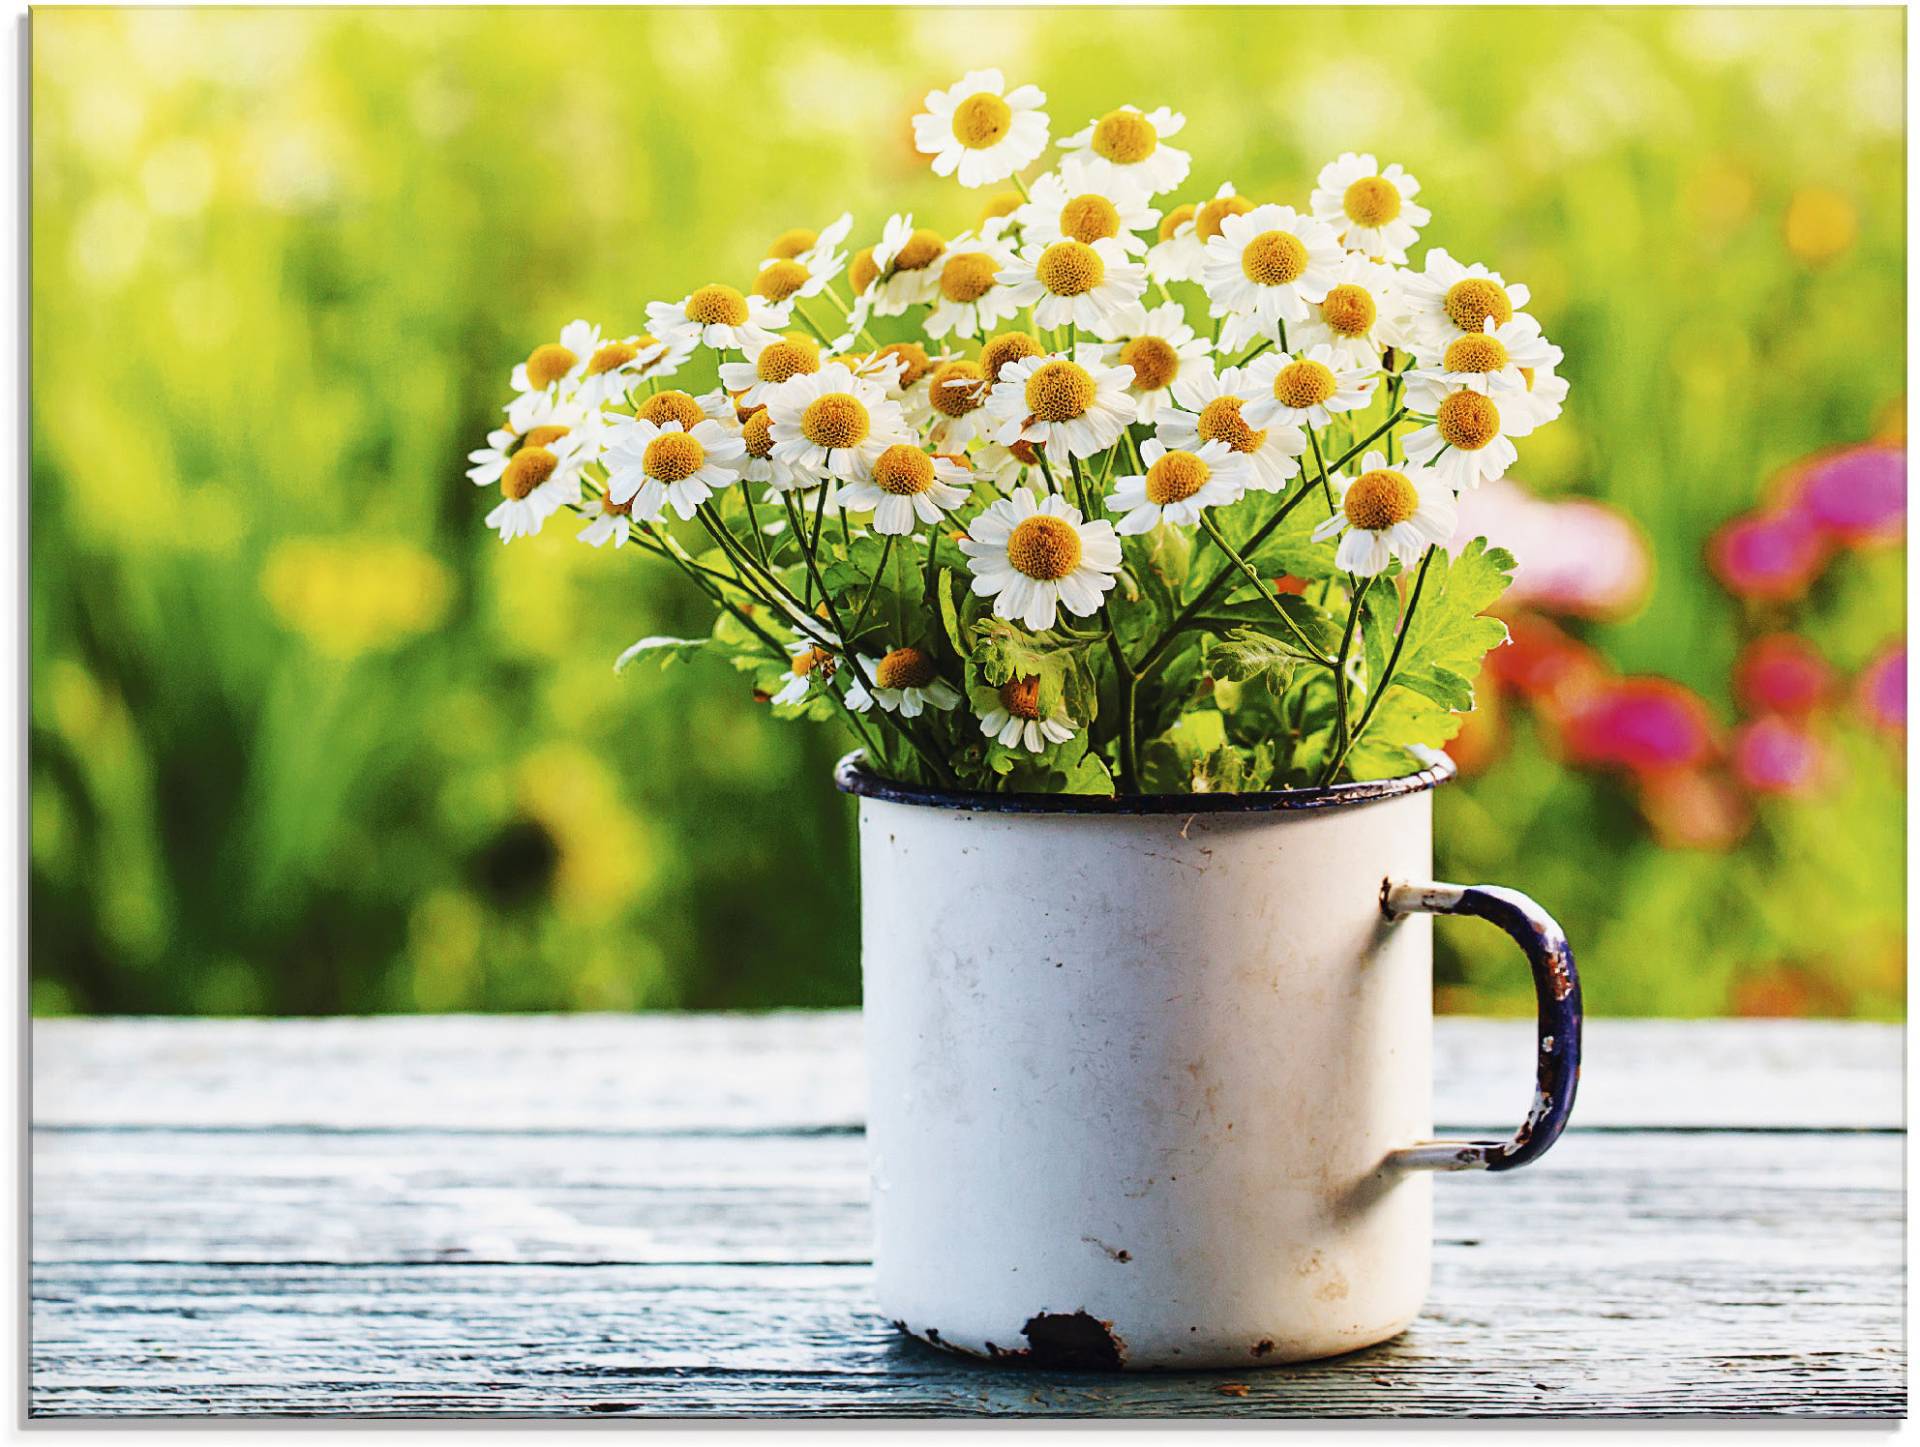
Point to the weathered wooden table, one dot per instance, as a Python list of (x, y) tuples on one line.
[(534, 1215)]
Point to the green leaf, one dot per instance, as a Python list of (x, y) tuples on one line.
[(949, 618), (1244, 654), (1089, 776), (664, 651)]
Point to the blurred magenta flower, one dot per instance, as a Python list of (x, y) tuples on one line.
[(1781, 673), (1858, 496), (1882, 689), (1694, 809), (1777, 755), (1642, 724), (1576, 556), (1768, 556)]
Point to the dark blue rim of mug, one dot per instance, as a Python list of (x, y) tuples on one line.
[(852, 776)]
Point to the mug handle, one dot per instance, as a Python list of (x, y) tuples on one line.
[(1556, 986)]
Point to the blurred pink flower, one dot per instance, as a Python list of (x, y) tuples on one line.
[(1573, 555), (1642, 724), (1776, 755), (1768, 555), (1541, 663), (1782, 673), (1857, 496), (1882, 689), (1694, 809)]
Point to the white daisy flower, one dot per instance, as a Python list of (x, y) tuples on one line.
[(1131, 143), (719, 317), (1078, 203), (1387, 513), (1372, 209), (1447, 300), (957, 397), (905, 274), (756, 434), (1071, 408), (1160, 353), (968, 296), (1093, 286), (802, 263), (906, 681), (902, 369), (1494, 360), (558, 366), (651, 465), (1358, 317), (981, 130), (803, 243), (1035, 558), (533, 418), (607, 522), (831, 423), (617, 363), (768, 364), (1181, 251), (1469, 439), (1013, 719), (1263, 269), (1308, 388), (1546, 392), (1213, 405), (540, 479), (1178, 485), (1005, 467), (811, 662), (908, 487)]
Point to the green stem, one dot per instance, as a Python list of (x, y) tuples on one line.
[(873, 586), (1125, 685), (1321, 463), (1264, 587), (1340, 677), (1393, 662), (1254, 353)]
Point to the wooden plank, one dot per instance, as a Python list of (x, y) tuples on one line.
[(1686, 1274), (291, 1197), (799, 1070)]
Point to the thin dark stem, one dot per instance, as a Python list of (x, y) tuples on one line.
[(1340, 676), (1253, 576), (873, 586), (1393, 662)]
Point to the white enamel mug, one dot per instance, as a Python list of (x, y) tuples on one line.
[(1150, 1079)]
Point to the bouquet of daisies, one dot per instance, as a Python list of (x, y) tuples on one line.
[(1110, 492)]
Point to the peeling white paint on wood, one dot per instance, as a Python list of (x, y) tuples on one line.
[(650, 1250)]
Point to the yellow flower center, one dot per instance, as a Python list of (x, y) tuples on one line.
[(673, 457), (1467, 420), (1001, 203), (862, 272), (913, 359), (757, 433), (1220, 421), (1526, 374), (957, 388), (812, 659), (1472, 299), (1070, 268), (1274, 258), (1349, 310), (529, 467), (664, 407), (1125, 137), (543, 436), (788, 357), (1372, 201), (611, 355), (981, 120), (904, 668), (548, 363), (616, 509), (1175, 478), (968, 276), (836, 420), (717, 305), (1175, 219), (789, 244), (780, 280), (903, 470), (1059, 392), (919, 251), (1021, 696), (1380, 499), (1303, 384), (1475, 353), (1089, 218), (1154, 361), (1008, 347), (1207, 224), (1044, 547)]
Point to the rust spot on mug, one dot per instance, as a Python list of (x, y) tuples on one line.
[(1073, 1340), (1263, 1348)]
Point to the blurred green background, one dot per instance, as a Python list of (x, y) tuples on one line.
[(305, 738)]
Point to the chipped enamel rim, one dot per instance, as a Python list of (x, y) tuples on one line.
[(852, 776)]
